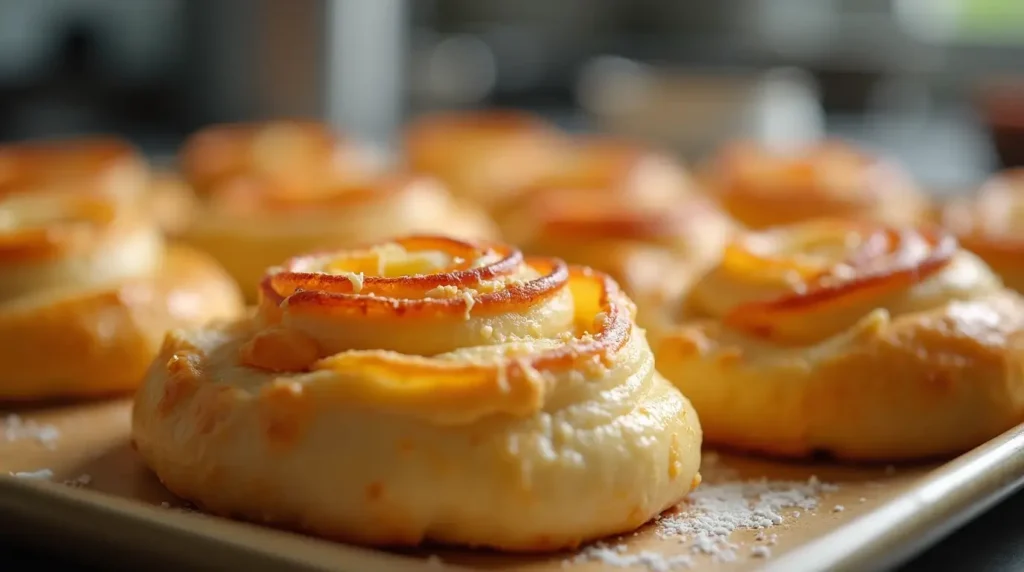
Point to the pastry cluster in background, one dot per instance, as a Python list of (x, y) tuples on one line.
[(88, 283), (495, 339)]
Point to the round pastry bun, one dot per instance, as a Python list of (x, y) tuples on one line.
[(601, 165), (483, 156), (990, 223), (87, 287), (424, 389), (858, 340), (248, 225), (296, 157), (97, 165), (762, 187)]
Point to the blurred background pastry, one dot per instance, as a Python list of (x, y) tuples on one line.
[(483, 156), (655, 250), (87, 286), (635, 172), (990, 223), (297, 157), (762, 186), (268, 192)]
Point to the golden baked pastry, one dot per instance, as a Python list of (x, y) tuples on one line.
[(763, 188), (655, 251), (248, 225), (101, 166), (424, 389), (860, 340), (632, 173), (991, 225), (296, 157), (87, 288), (483, 156)]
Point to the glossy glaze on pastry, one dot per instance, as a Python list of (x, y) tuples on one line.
[(87, 286), (425, 389), (762, 187), (990, 224), (860, 340)]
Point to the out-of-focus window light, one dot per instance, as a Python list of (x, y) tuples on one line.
[(998, 22)]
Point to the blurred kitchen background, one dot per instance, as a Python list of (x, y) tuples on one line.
[(932, 82)]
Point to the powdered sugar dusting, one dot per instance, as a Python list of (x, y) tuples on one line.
[(617, 556), (705, 521), (17, 429), (40, 475), (713, 512)]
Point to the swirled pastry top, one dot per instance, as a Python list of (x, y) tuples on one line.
[(857, 339), (485, 156), (761, 187), (89, 165), (803, 283), (294, 157), (424, 388), (469, 292), (991, 224)]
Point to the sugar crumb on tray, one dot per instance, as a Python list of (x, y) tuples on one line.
[(82, 480), (704, 522), (40, 475), (17, 429)]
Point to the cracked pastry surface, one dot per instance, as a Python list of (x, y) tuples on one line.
[(271, 191), (87, 286), (424, 389), (762, 187), (990, 223), (864, 341)]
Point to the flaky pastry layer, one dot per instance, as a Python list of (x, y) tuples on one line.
[(861, 341), (424, 389)]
